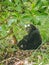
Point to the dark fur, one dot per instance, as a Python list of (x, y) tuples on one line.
[(32, 40)]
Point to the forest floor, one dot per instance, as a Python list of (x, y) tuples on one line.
[(28, 57)]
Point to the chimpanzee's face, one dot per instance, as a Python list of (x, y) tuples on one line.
[(30, 27)]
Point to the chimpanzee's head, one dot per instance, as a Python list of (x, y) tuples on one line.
[(30, 28)]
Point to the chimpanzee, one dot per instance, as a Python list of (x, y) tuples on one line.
[(32, 40)]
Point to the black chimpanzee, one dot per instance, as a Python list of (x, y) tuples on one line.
[(32, 40)]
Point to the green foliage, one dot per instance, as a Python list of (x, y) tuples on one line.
[(16, 13)]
